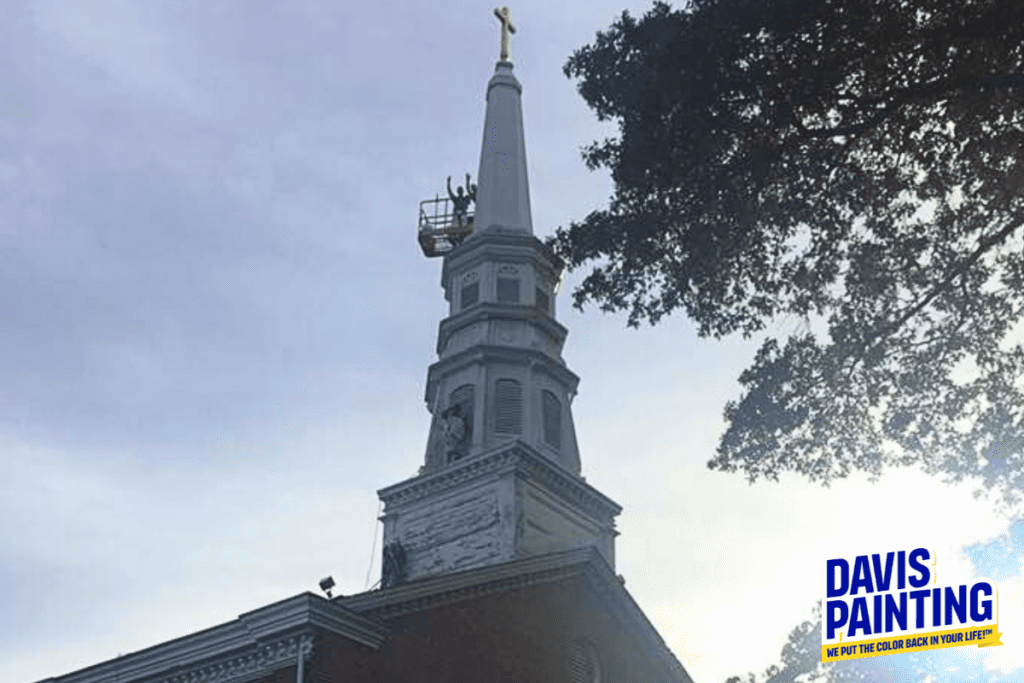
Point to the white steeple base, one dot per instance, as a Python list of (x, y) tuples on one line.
[(500, 506)]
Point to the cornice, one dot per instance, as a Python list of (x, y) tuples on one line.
[(446, 589), (504, 245), (487, 353), (515, 456), (312, 610), (256, 642), (488, 310), (254, 663)]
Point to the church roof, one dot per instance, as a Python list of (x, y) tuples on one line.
[(275, 636), (257, 642)]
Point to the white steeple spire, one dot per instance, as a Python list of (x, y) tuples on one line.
[(503, 192)]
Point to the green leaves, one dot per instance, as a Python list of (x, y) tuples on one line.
[(854, 165)]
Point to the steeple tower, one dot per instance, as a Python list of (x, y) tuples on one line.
[(501, 475)]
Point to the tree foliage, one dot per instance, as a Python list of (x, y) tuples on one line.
[(850, 169), (801, 662)]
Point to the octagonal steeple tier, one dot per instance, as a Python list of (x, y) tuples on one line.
[(500, 478), (500, 370)]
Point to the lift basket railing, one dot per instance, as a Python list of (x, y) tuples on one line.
[(440, 229)]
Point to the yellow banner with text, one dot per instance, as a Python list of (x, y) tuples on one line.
[(917, 642)]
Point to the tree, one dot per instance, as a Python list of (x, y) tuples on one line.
[(851, 169), (801, 656), (801, 661)]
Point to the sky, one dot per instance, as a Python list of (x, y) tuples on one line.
[(216, 322)]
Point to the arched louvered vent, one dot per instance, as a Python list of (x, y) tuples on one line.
[(470, 294), (552, 410), (584, 666), (543, 300), (508, 290), (508, 406)]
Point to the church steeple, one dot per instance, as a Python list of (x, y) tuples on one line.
[(503, 196), (501, 473)]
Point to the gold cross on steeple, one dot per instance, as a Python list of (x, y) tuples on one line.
[(507, 28)]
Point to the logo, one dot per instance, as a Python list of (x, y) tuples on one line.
[(891, 603)]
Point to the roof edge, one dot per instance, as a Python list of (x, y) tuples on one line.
[(588, 563), (259, 641)]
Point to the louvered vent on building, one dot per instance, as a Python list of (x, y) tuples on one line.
[(470, 294), (543, 301), (508, 403), (583, 664), (552, 410), (508, 290)]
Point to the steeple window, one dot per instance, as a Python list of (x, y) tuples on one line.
[(551, 408), (508, 290), (470, 295), (508, 284), (470, 292), (508, 407), (542, 300)]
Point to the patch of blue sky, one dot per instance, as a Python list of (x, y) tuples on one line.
[(1000, 558)]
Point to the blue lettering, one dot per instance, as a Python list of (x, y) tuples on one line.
[(926, 575), (956, 603), (882, 579), (859, 618), (986, 611), (844, 573), (891, 612), (861, 576), (834, 620), (919, 597)]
